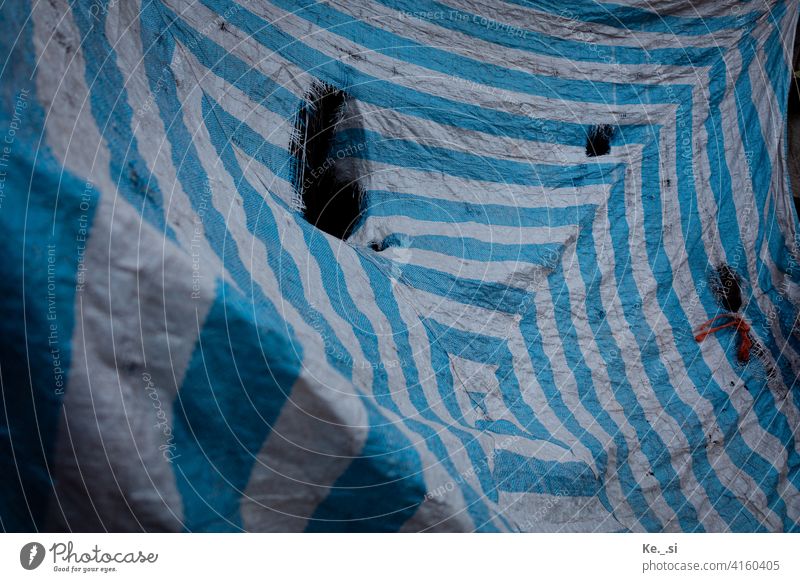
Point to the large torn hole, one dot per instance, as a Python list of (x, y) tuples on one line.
[(598, 142), (727, 289), (329, 202)]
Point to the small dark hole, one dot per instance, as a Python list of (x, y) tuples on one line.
[(331, 203), (377, 246), (598, 140), (725, 284)]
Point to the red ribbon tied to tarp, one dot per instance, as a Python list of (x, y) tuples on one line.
[(739, 325)]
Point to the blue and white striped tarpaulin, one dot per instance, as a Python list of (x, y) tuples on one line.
[(550, 201)]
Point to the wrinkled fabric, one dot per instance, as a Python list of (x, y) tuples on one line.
[(504, 343)]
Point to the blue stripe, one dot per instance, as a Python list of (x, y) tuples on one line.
[(383, 94), (519, 474), (261, 223), (484, 294), (248, 358), (452, 64), (380, 490), (386, 302), (476, 250), (339, 511), (657, 375), (410, 154), (114, 116), (631, 18), (382, 203), (514, 35), (258, 87), (587, 393), (241, 135), (46, 217), (485, 350), (725, 502), (760, 169), (701, 376), (215, 458), (765, 407), (240, 375)]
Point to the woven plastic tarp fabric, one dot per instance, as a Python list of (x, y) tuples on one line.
[(554, 200)]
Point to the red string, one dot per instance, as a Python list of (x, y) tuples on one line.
[(739, 324)]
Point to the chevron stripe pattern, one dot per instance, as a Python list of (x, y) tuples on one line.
[(506, 339)]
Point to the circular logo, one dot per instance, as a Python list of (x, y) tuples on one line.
[(31, 555)]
